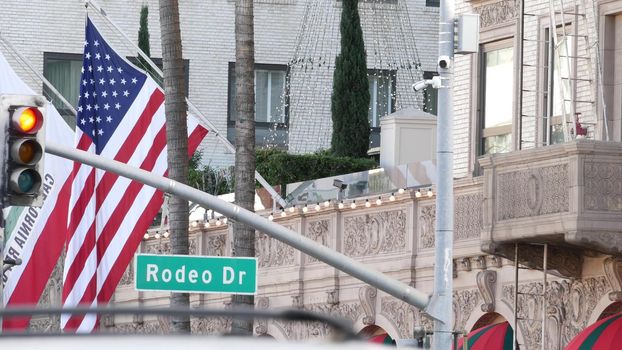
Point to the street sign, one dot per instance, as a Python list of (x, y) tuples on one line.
[(195, 274)]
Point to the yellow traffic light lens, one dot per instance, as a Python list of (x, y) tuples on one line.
[(28, 120), (27, 152)]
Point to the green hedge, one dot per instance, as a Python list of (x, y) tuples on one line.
[(280, 168)]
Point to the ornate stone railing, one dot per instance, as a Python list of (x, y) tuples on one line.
[(569, 195)]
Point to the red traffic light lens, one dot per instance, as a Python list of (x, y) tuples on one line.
[(27, 120)]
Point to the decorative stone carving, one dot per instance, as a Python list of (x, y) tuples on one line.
[(317, 330), (262, 303), (317, 231), (478, 262), (427, 226), (216, 245), (152, 327), (468, 219), (375, 233), (532, 192), (603, 186), (494, 261), (272, 253), (107, 321), (297, 301), (613, 272), (400, 314), (158, 246), (486, 284), (332, 297), (367, 296), (192, 246), (468, 216), (212, 325), (463, 264), (570, 304), (464, 302), (497, 13)]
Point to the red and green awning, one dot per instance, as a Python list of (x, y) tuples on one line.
[(605, 334), (494, 337), (382, 339)]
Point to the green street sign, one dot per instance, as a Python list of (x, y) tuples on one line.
[(195, 274)]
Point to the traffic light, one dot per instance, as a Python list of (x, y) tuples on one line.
[(22, 139)]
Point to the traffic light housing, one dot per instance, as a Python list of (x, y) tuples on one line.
[(22, 139)]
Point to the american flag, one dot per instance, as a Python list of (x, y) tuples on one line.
[(120, 116)]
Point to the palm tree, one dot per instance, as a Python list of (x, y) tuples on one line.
[(243, 235), (176, 140)]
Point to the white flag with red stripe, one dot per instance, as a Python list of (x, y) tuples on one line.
[(36, 235), (120, 116)]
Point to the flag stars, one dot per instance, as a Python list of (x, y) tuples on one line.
[(106, 106), (91, 81), (82, 69), (88, 107), (98, 119), (86, 94), (88, 55), (90, 68), (123, 81), (80, 109), (105, 94), (126, 93), (117, 106), (84, 82), (109, 69), (86, 43), (91, 120), (114, 93), (134, 80), (112, 81), (82, 121), (102, 81), (98, 56), (107, 57), (96, 43), (100, 68), (100, 132), (96, 107), (120, 70), (109, 119)]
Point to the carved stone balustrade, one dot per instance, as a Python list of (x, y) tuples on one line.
[(569, 195)]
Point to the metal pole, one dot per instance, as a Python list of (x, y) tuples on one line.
[(335, 259), (191, 105), (515, 333), (441, 303), (544, 306)]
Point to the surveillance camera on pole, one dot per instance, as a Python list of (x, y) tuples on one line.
[(22, 143), (435, 82)]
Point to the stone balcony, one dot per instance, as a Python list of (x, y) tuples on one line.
[(567, 195)]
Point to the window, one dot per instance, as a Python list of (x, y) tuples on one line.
[(63, 72), (496, 93), (381, 101), (430, 95), (555, 83), (433, 3), (271, 107)]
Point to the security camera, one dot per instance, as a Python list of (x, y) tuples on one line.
[(339, 184), (435, 82), (444, 62), (420, 85)]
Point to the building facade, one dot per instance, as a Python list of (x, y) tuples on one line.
[(538, 161)]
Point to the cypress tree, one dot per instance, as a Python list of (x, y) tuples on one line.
[(143, 41), (350, 98)]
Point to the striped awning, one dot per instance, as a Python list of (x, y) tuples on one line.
[(605, 334), (382, 339), (494, 337)]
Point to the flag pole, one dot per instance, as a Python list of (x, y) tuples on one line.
[(223, 139)]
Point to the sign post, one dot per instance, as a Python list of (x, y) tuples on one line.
[(195, 274)]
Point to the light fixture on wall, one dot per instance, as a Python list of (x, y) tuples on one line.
[(270, 217), (353, 205), (418, 193), (392, 197)]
